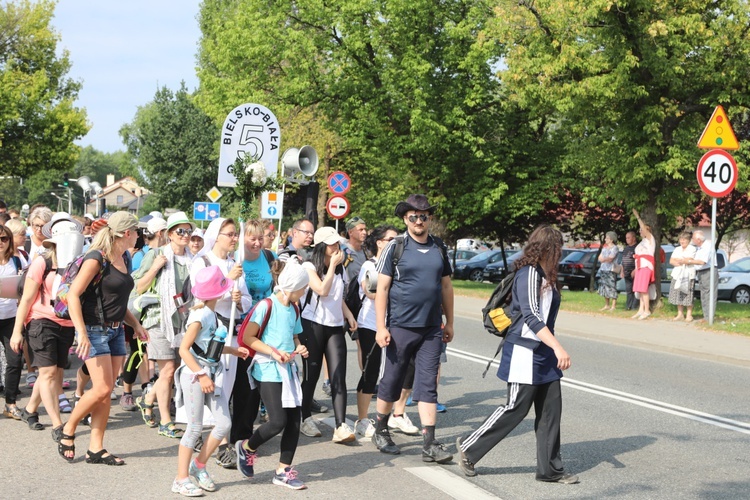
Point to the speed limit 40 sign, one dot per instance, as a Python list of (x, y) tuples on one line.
[(717, 173)]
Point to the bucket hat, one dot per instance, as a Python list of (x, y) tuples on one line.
[(178, 218), (210, 283)]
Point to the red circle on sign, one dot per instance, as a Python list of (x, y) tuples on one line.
[(339, 182), (717, 173), (338, 207)]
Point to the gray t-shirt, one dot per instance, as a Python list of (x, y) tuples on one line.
[(355, 264)]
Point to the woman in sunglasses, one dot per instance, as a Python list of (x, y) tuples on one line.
[(10, 265), (163, 273)]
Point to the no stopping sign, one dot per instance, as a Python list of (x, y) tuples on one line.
[(717, 173)]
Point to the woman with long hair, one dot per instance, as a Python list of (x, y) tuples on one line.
[(10, 265), (101, 346), (532, 363), (370, 353), (323, 314), (164, 271)]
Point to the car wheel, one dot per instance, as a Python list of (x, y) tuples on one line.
[(575, 288), (476, 275), (741, 295)]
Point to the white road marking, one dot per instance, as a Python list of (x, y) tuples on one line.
[(451, 484), (680, 411)]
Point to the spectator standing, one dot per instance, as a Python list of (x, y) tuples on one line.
[(683, 278), (607, 277), (704, 256), (628, 270), (644, 268)]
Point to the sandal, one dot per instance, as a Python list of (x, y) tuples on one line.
[(148, 419), (64, 404), (169, 430), (32, 419), (63, 448), (12, 412), (57, 433), (99, 458)]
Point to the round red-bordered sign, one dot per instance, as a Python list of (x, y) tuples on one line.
[(717, 173), (338, 206), (339, 182)]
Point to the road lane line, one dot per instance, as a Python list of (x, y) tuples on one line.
[(451, 484), (680, 411)]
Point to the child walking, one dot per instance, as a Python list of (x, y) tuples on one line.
[(199, 381), (275, 372)]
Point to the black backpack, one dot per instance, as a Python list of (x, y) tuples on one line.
[(352, 297), (25, 272), (496, 314)]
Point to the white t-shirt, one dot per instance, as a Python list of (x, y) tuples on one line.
[(366, 318), (327, 311), (8, 307)]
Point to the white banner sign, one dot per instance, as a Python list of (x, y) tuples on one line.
[(249, 130)]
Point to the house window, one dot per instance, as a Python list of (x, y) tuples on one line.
[(119, 199)]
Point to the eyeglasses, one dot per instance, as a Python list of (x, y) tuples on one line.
[(37, 227), (183, 232), (415, 218), (306, 232), (4, 239), (231, 236)]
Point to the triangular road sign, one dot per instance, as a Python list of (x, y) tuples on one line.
[(718, 134)]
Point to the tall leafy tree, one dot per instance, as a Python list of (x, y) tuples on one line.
[(38, 118), (173, 143)]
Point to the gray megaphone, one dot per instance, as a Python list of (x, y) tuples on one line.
[(303, 160)]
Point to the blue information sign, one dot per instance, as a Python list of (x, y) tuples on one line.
[(206, 211)]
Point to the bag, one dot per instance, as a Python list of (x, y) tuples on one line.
[(25, 272), (617, 269), (60, 304), (683, 286), (353, 297), (146, 306), (264, 322)]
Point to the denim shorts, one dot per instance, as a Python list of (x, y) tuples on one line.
[(106, 341)]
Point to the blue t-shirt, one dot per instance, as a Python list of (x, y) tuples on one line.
[(416, 295), (282, 325), (138, 257), (258, 277), (207, 318)]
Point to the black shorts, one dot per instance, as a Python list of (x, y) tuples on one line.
[(49, 342)]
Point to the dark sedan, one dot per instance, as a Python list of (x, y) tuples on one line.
[(496, 271), (473, 268), (575, 270)]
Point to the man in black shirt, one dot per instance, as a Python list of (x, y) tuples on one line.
[(628, 270)]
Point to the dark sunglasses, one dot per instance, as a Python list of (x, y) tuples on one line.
[(4, 239), (414, 218), (183, 232)]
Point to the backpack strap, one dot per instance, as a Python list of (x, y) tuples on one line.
[(47, 270), (17, 263), (268, 255)]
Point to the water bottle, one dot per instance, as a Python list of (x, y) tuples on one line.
[(216, 344)]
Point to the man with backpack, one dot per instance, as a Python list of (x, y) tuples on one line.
[(414, 290)]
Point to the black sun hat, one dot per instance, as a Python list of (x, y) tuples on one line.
[(414, 202)]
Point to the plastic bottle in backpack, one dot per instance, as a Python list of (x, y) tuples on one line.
[(216, 344)]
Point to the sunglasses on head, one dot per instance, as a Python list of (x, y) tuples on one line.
[(183, 232), (414, 218)]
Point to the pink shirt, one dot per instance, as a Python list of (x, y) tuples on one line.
[(38, 309)]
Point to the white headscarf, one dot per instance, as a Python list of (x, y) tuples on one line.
[(211, 235), (293, 277)]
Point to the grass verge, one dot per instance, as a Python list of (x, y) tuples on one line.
[(731, 318)]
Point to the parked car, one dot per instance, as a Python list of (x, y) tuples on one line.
[(734, 282), (495, 272), (462, 254), (473, 268), (575, 270)]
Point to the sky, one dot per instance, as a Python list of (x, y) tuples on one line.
[(122, 52)]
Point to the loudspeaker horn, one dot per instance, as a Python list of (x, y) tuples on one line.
[(303, 160)]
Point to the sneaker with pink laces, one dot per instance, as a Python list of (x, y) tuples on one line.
[(289, 479), (245, 459)]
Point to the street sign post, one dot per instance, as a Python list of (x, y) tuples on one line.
[(339, 182), (206, 211), (338, 207)]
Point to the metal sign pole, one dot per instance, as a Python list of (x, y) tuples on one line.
[(712, 280)]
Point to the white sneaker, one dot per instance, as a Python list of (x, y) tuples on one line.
[(365, 427), (186, 488), (310, 429), (113, 396), (402, 424), (343, 434)]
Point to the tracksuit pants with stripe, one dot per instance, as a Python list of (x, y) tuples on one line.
[(547, 401)]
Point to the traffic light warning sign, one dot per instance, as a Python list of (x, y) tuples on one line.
[(718, 134)]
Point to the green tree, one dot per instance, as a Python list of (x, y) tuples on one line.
[(38, 119), (630, 86), (173, 143)]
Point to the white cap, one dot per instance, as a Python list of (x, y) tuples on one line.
[(155, 225)]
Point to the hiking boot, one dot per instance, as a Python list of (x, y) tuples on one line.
[(403, 424), (225, 457), (385, 444), (289, 479), (467, 467), (201, 477), (245, 459), (343, 434), (127, 402), (365, 427), (317, 407), (310, 429), (436, 452)]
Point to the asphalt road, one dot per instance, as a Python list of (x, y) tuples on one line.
[(651, 410)]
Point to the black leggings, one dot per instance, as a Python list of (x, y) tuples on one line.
[(279, 419), (245, 403), (371, 354), (328, 340), (14, 361)]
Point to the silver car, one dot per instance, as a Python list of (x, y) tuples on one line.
[(734, 281)]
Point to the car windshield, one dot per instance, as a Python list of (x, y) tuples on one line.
[(483, 256), (740, 266), (573, 257)]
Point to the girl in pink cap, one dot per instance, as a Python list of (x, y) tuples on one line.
[(199, 380)]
